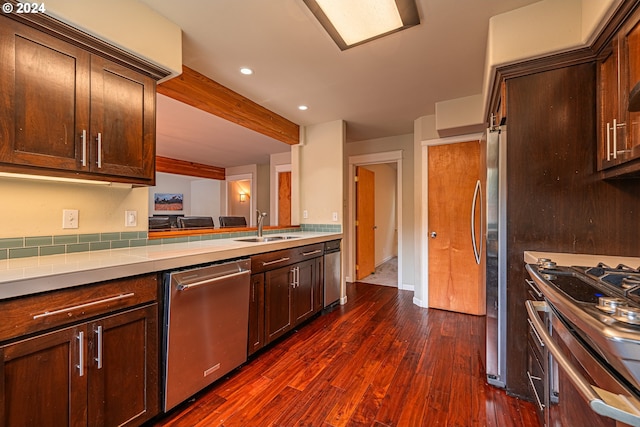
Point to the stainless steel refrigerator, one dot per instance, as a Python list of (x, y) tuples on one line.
[(496, 255)]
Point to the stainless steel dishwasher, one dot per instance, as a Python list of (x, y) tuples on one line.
[(332, 267), (206, 326)]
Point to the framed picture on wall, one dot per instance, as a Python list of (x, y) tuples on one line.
[(167, 201)]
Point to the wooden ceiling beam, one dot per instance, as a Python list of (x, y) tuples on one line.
[(181, 167), (201, 92)]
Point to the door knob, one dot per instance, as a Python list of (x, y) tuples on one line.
[(433, 234)]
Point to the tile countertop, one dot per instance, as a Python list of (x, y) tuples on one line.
[(586, 260), (25, 276)]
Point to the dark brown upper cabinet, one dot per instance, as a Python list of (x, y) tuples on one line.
[(67, 111), (619, 128)]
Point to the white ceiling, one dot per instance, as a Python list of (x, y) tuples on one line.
[(378, 88)]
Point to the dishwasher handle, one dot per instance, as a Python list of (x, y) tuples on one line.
[(185, 287)]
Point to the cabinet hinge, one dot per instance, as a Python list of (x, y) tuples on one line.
[(357, 268), (356, 223), (355, 179)]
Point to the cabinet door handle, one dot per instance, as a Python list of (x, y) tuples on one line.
[(99, 339), (81, 306), (283, 259), (99, 150), (609, 141), (84, 147), (80, 364), (615, 139), (317, 251)]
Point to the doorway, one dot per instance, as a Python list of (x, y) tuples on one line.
[(387, 164), (240, 200)]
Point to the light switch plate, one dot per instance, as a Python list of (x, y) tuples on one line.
[(130, 218), (334, 216), (305, 214), (70, 218)]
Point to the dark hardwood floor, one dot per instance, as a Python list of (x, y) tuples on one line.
[(377, 361)]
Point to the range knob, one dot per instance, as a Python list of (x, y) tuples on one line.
[(629, 315), (546, 263), (610, 304)]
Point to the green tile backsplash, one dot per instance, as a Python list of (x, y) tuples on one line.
[(21, 247)]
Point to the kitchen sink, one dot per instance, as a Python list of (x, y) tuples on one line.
[(266, 239)]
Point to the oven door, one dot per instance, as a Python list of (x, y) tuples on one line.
[(582, 392)]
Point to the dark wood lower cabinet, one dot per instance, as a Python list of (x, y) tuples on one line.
[(278, 287), (123, 380), (99, 373), (42, 384), (283, 297)]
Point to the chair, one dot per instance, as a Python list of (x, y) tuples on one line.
[(195, 222), (159, 223), (232, 221)]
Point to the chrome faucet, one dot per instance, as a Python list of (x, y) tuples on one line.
[(261, 217)]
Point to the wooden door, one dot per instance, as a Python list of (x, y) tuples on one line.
[(454, 276), (44, 99), (123, 367), (365, 223), (277, 288), (44, 380), (284, 198), (122, 120)]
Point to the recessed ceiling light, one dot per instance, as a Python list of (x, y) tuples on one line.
[(302, 107), (246, 71)]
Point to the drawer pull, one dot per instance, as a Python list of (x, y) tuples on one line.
[(317, 251), (283, 259), (81, 306)]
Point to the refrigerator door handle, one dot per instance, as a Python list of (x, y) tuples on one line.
[(477, 194)]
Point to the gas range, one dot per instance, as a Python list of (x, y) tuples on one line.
[(602, 305)]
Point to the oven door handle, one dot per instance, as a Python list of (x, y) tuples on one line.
[(602, 402)]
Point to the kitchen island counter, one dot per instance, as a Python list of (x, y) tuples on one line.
[(26, 276)]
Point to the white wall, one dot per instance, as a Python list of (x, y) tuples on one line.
[(127, 24), (540, 29), (320, 168), (34, 207)]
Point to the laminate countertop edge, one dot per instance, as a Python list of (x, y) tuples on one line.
[(27, 276)]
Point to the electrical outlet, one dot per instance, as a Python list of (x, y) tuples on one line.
[(334, 216), (305, 214), (130, 218), (69, 218)]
